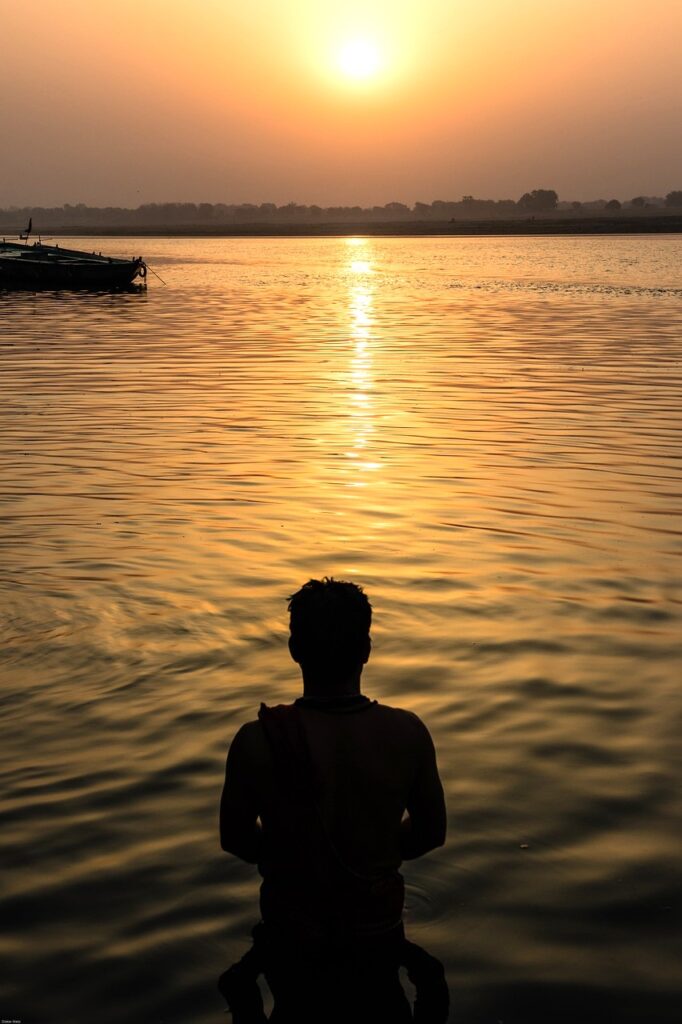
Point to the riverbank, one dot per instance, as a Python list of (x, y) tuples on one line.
[(605, 225)]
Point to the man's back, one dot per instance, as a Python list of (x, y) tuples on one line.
[(330, 780)]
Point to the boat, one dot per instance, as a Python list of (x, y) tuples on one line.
[(36, 265)]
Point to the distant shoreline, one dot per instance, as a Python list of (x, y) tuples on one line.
[(617, 225)]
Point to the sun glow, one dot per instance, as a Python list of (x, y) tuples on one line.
[(359, 59)]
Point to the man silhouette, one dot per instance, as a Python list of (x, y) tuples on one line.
[(328, 796)]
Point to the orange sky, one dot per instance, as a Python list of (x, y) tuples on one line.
[(224, 101)]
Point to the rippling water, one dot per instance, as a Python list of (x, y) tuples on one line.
[(485, 433)]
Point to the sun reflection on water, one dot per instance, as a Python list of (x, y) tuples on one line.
[(361, 322)]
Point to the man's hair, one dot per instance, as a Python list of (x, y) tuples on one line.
[(330, 622)]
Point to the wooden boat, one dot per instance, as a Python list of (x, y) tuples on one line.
[(49, 266)]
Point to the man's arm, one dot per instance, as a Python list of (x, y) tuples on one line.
[(240, 829), (424, 828)]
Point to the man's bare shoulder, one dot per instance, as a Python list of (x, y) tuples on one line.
[(403, 721), (400, 715), (248, 743)]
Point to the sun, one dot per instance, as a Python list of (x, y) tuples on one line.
[(359, 59)]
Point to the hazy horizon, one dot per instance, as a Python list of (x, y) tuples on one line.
[(408, 204), (160, 102)]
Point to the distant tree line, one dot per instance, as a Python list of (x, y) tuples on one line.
[(538, 201)]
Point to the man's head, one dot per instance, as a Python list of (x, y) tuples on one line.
[(330, 622)]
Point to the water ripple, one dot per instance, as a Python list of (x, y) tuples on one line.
[(486, 433)]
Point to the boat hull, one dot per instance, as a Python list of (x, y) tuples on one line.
[(50, 267)]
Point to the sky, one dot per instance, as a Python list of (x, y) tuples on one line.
[(338, 103)]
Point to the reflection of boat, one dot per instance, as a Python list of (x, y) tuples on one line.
[(49, 266)]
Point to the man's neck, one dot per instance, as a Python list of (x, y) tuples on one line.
[(320, 686)]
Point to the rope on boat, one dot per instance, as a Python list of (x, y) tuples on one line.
[(147, 267)]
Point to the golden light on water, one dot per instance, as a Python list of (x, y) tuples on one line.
[(495, 462), (361, 321), (361, 267)]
